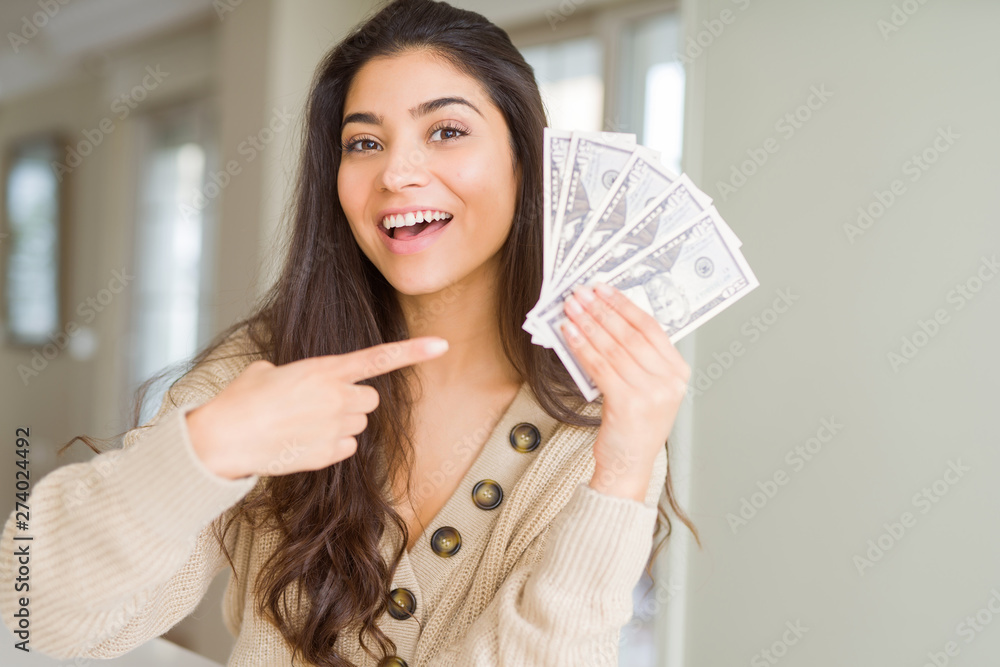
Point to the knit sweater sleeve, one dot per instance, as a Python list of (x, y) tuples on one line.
[(122, 547), (568, 608)]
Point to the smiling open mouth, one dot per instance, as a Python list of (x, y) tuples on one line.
[(404, 232)]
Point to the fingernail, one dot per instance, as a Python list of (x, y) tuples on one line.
[(572, 306), (604, 289), (437, 346), (584, 293), (572, 331)]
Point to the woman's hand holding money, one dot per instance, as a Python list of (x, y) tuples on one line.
[(643, 379)]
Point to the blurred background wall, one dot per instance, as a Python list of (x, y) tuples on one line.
[(838, 452)]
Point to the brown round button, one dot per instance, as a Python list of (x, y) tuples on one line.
[(446, 541), (403, 604), (393, 661), (525, 437), (487, 494)]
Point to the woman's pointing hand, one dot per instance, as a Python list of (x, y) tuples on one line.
[(276, 420)]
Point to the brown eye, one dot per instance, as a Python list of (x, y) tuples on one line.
[(458, 132), (349, 146)]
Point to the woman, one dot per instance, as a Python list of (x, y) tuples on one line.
[(382, 501)]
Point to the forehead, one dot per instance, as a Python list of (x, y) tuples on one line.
[(392, 85)]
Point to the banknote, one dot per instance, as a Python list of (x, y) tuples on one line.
[(666, 212), (682, 281), (593, 165), (643, 177), (554, 152), (640, 171), (612, 212)]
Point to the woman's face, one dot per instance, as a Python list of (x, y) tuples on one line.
[(413, 152)]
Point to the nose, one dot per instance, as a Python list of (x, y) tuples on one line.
[(404, 166)]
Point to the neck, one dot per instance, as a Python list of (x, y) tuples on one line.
[(463, 313)]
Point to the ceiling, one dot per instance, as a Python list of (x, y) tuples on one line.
[(75, 39), (76, 35)]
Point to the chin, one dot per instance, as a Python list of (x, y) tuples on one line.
[(417, 282)]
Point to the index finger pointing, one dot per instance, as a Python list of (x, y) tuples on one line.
[(378, 359)]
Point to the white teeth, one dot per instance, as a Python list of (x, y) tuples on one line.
[(412, 218)]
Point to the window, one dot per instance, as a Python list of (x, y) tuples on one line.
[(569, 79), (654, 85), (174, 245), (31, 239)]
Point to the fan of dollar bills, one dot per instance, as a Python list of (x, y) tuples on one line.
[(615, 214)]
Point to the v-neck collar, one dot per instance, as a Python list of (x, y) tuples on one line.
[(520, 397), (423, 571)]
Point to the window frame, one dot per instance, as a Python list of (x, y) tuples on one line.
[(608, 24)]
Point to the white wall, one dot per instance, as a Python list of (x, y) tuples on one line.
[(826, 356)]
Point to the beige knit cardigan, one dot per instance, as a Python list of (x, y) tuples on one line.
[(122, 549)]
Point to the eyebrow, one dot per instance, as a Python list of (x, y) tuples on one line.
[(421, 109)]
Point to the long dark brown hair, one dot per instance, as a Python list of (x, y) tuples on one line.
[(330, 299)]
